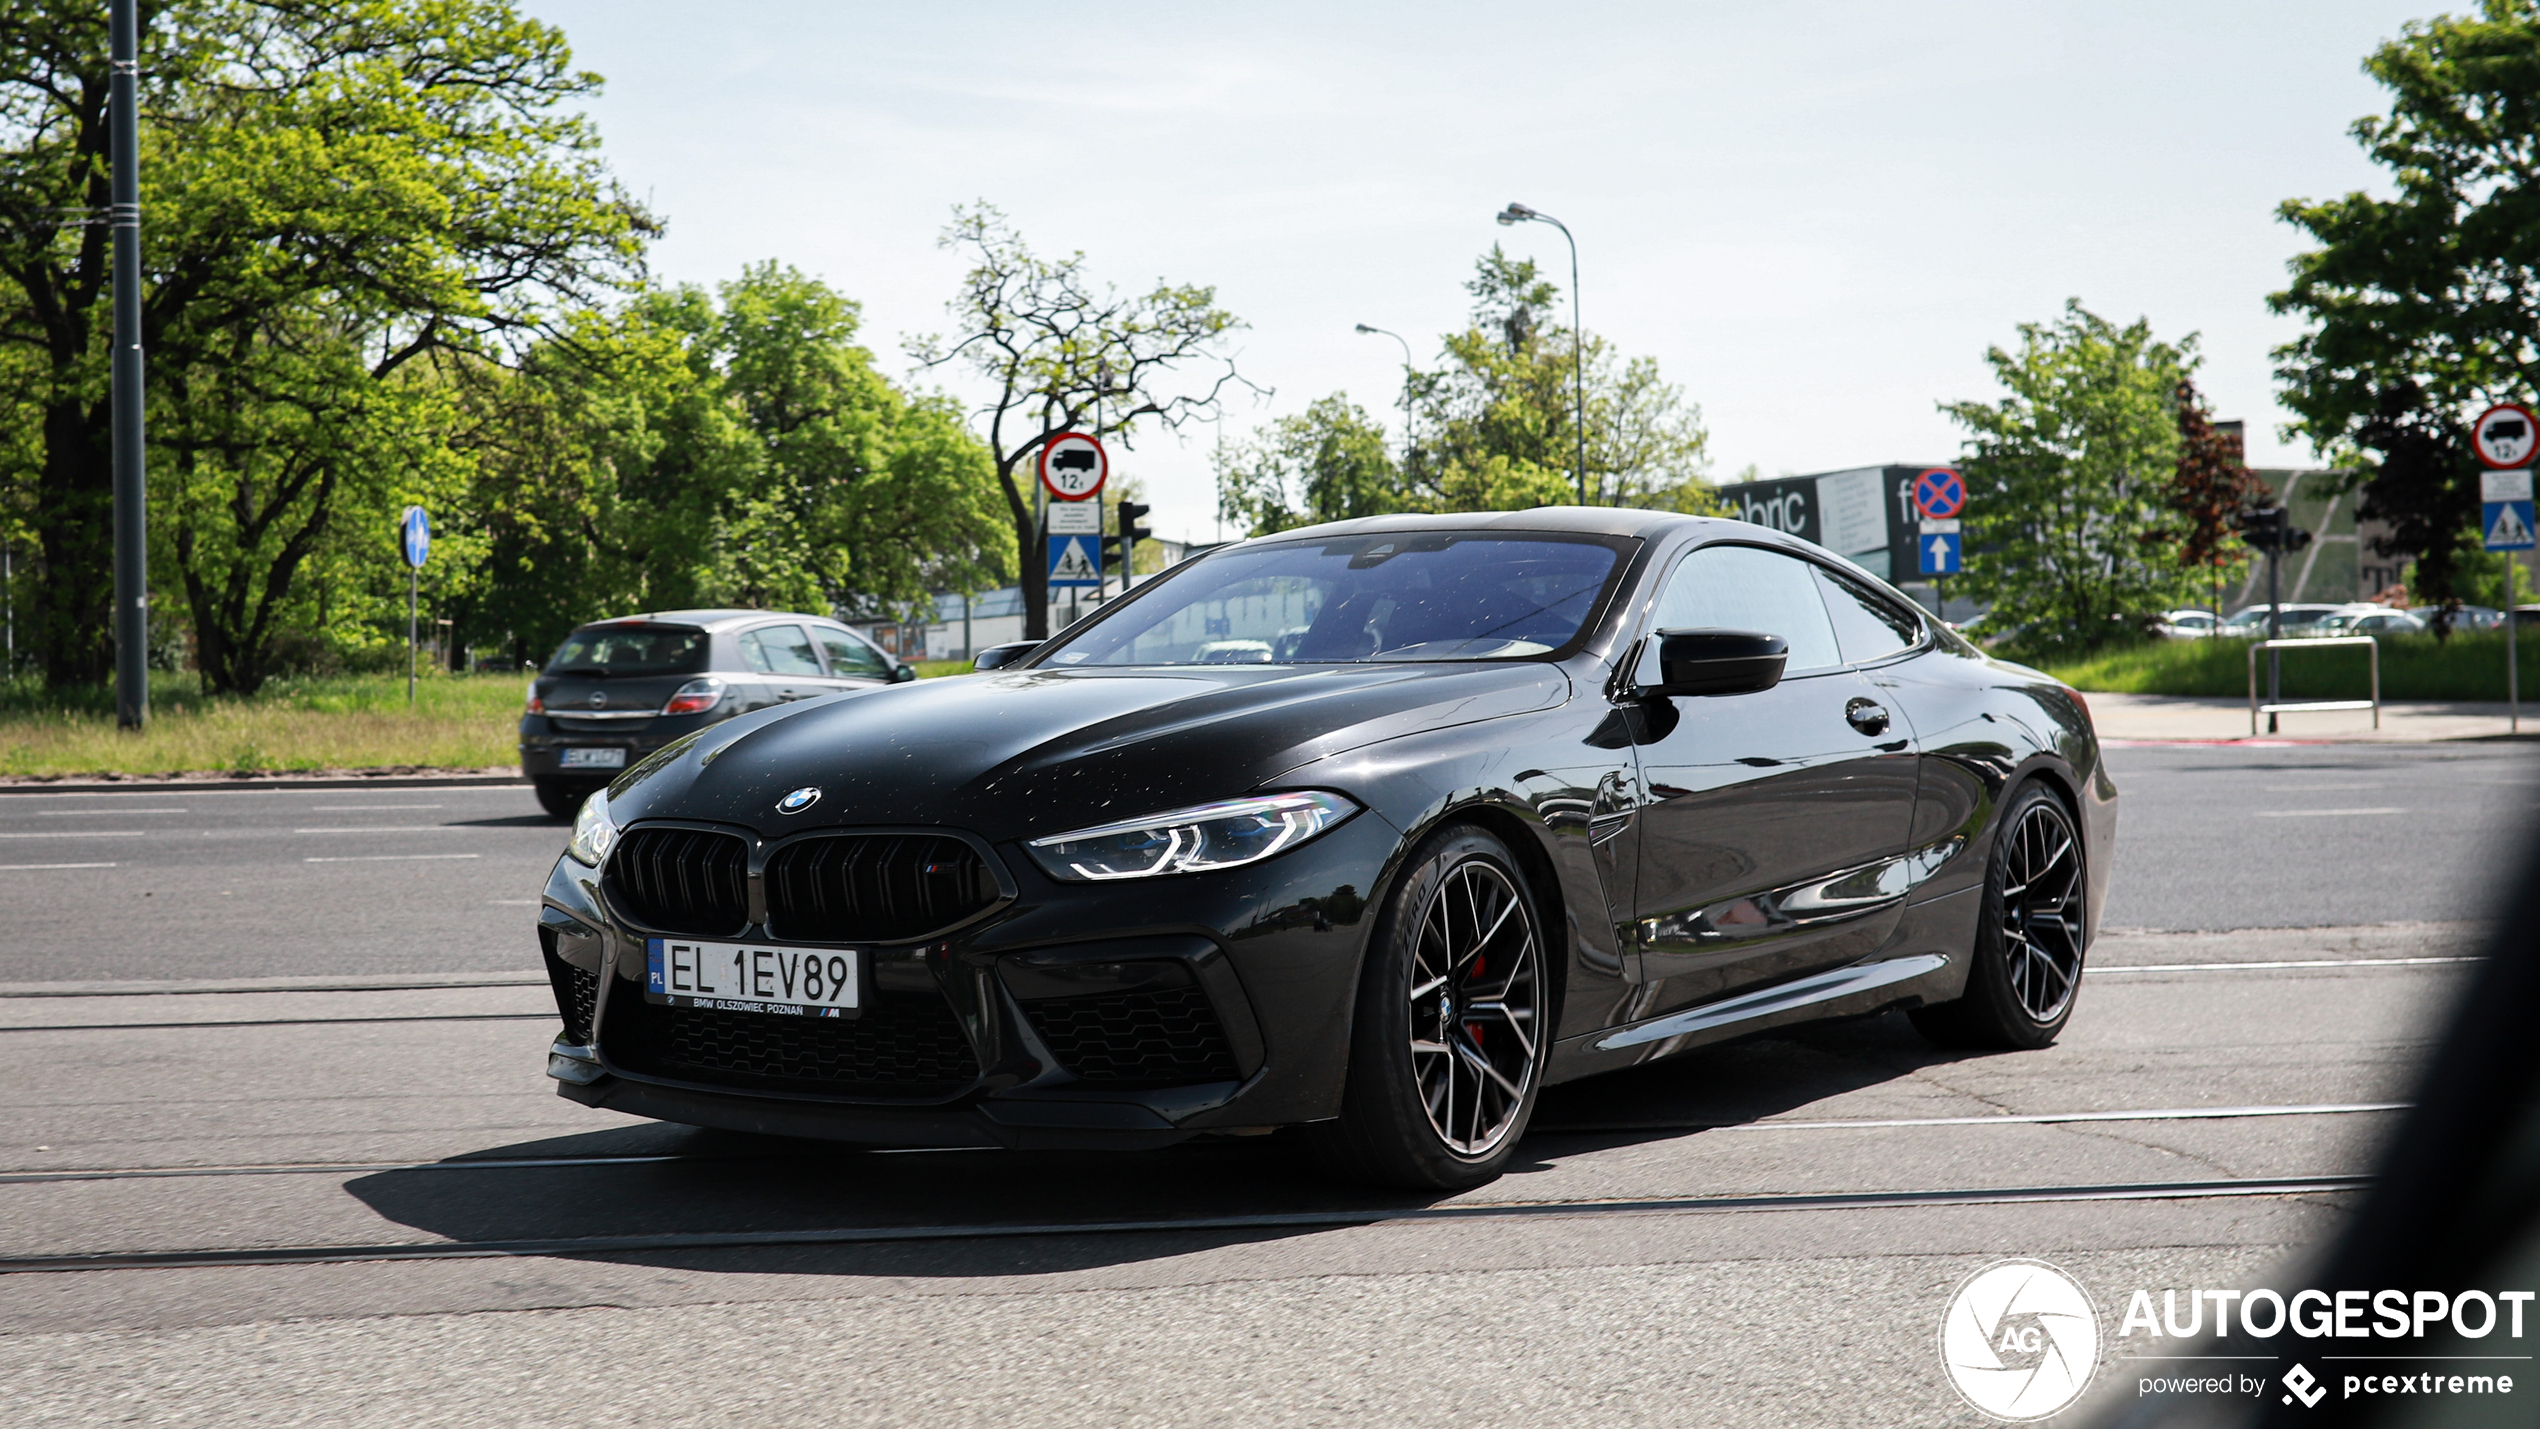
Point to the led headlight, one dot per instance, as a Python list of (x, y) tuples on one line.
[(1211, 836), (594, 832)]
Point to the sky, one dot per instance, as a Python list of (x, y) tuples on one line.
[(1816, 217)]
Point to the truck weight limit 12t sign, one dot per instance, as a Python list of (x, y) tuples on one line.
[(1074, 466), (2504, 437)]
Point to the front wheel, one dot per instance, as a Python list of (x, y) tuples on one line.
[(1446, 1052), (2029, 942)]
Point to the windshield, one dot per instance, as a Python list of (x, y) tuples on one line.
[(1430, 595), (631, 650)]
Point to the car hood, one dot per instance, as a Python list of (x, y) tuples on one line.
[(1031, 752)]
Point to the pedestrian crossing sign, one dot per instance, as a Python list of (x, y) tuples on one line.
[(2505, 509), (2508, 526), (1075, 561)]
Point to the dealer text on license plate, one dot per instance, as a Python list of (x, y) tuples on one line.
[(748, 977), (610, 758)]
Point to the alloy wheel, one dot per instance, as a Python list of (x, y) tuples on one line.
[(2041, 911), (1476, 992)]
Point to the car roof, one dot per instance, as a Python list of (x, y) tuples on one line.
[(715, 620), (1584, 520)]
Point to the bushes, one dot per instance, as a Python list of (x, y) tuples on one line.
[(2470, 666)]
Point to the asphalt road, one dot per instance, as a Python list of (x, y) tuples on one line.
[(354, 1206)]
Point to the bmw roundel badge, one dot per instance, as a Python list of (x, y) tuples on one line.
[(798, 801)]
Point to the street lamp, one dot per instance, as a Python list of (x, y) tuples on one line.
[(1363, 330), (1517, 213)]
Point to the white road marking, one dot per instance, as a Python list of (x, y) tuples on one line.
[(2314, 788), (386, 857), (381, 829), (2056, 1118), (92, 813), (365, 808), (2302, 963), (18, 867), (514, 902), (2321, 813), (82, 834)]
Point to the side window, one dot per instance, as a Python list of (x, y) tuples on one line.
[(1747, 588), (780, 650), (1867, 626), (852, 659)]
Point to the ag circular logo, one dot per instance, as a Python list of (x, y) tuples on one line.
[(2020, 1340), (798, 801)]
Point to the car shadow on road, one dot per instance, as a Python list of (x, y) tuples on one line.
[(723, 1183)]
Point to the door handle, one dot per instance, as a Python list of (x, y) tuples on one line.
[(1867, 716)]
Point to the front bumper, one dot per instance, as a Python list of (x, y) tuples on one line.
[(1120, 1015)]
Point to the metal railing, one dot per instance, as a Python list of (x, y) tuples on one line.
[(2374, 704)]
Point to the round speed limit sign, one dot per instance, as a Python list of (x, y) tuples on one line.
[(1074, 466)]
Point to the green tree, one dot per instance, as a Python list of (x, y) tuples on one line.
[(2075, 536), (336, 197), (1496, 422), (735, 448), (2425, 305), (1491, 428), (1328, 463), (1058, 355)]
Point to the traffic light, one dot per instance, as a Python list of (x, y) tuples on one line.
[(1131, 533), (2266, 529)]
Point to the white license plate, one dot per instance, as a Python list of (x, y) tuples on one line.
[(592, 759), (749, 977)]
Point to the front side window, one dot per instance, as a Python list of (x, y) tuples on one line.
[(779, 650), (631, 650), (1421, 595), (1747, 588), (852, 659), (1867, 626)]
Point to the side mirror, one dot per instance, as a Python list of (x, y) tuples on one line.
[(997, 657), (1718, 662), (902, 673)]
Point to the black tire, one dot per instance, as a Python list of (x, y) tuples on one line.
[(1441, 1084), (2026, 969), (561, 797)]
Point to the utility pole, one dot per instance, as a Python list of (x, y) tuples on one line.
[(132, 491)]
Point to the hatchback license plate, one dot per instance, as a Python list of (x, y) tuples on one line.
[(592, 759), (749, 977)]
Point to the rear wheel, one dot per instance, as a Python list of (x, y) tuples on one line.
[(2027, 963), (1446, 1053), (561, 797)]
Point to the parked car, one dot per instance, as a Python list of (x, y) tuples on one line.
[(619, 689), (2380, 620), (1535, 795), (2250, 622), (2187, 624), (2468, 617)]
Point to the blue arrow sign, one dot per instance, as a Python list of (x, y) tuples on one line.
[(1939, 553), (414, 532), (1075, 561)]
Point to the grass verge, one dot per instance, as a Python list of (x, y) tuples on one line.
[(347, 722), (2413, 667)]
